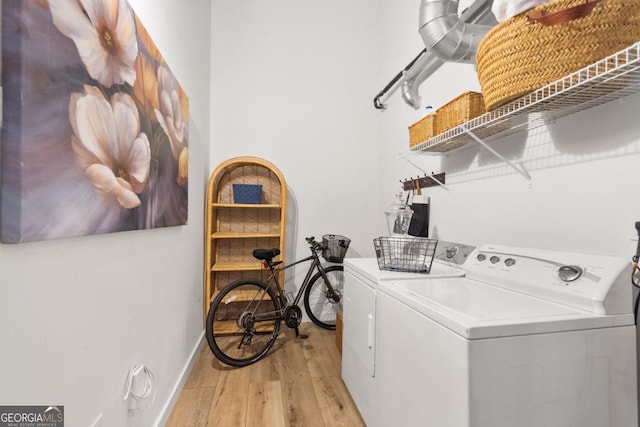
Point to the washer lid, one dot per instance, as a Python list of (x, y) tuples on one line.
[(476, 310), (368, 269)]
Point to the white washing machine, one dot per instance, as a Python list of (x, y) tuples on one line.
[(362, 277), (529, 338)]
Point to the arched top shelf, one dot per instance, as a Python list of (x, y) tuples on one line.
[(247, 170)]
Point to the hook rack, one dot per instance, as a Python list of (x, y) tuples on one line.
[(424, 181), (427, 181)]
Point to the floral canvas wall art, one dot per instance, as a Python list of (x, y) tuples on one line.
[(95, 125)]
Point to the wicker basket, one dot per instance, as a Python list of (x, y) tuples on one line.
[(548, 42), (422, 130), (459, 110)]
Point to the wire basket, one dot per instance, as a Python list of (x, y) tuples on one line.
[(414, 254), (335, 247)]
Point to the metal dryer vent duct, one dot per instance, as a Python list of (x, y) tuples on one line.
[(447, 38), (445, 34)]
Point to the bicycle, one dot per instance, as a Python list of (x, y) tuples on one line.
[(244, 319)]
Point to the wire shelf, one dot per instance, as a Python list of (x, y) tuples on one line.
[(609, 79)]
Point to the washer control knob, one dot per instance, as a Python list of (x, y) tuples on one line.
[(451, 251), (509, 262), (569, 273), (494, 259), (481, 257)]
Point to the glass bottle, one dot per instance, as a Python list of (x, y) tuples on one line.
[(398, 217)]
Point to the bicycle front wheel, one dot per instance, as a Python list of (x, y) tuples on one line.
[(243, 322), (321, 300)]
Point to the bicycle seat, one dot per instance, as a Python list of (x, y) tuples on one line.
[(266, 254)]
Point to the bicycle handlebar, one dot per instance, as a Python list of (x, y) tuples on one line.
[(314, 245)]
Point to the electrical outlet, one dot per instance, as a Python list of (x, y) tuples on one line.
[(97, 422)]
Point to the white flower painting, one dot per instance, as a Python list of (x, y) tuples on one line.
[(113, 151), (95, 125), (104, 33)]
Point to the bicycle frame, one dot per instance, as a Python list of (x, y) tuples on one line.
[(316, 264)]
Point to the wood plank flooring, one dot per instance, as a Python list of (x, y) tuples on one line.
[(297, 384)]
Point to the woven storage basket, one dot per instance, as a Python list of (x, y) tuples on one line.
[(459, 110), (422, 130), (551, 41)]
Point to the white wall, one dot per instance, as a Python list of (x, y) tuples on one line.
[(583, 168), (76, 314), (293, 82)]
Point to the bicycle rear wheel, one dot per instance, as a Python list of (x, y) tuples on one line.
[(321, 302), (243, 322)]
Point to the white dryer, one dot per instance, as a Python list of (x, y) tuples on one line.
[(362, 278), (528, 338)]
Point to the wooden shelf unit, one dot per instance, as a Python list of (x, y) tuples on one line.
[(233, 231)]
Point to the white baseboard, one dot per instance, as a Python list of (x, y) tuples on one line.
[(177, 388)]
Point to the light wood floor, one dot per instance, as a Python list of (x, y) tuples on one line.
[(297, 384)]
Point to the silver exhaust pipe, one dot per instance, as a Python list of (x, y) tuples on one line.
[(418, 73), (447, 38), (445, 34)]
